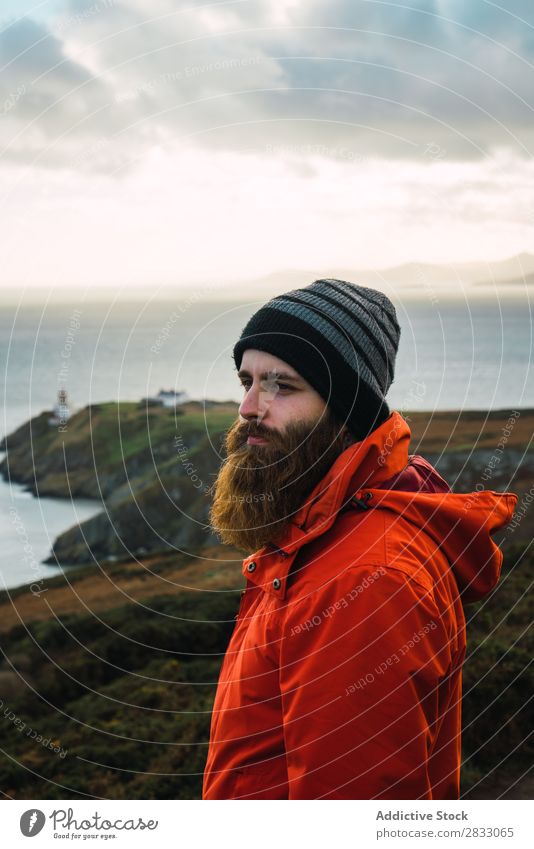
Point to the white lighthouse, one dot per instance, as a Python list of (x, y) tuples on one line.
[(61, 409)]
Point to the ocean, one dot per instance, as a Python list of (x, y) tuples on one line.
[(453, 354)]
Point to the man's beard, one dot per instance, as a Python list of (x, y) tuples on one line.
[(260, 488)]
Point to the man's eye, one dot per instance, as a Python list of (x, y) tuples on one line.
[(246, 385)]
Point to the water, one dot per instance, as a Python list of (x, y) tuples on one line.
[(469, 356), (453, 355), (28, 527)]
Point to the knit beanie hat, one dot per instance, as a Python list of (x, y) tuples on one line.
[(341, 338)]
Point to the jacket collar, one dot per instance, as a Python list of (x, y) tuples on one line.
[(368, 463)]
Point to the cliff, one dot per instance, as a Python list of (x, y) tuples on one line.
[(151, 468)]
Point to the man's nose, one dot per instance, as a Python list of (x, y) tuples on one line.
[(255, 404), (250, 405)]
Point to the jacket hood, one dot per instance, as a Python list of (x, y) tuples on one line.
[(379, 474)]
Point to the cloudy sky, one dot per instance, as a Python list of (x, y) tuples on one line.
[(156, 142)]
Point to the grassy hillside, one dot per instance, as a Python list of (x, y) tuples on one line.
[(498, 686), (104, 445), (150, 467), (117, 681)]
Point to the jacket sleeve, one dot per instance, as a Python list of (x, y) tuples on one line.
[(363, 678)]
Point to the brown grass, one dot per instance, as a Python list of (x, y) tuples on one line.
[(104, 588)]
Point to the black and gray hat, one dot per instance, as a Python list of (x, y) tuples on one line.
[(340, 337)]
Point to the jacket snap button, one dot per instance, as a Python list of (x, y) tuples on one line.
[(277, 583), (251, 566)]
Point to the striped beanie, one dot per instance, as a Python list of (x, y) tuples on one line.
[(341, 338)]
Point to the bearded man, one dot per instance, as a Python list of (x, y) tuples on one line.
[(342, 679)]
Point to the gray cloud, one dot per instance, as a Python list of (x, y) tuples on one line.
[(52, 106), (385, 78)]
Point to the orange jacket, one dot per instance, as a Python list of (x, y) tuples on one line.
[(342, 679)]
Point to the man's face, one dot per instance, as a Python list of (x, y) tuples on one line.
[(279, 448), (274, 393)]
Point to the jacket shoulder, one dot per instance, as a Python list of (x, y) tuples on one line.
[(419, 475), (364, 540)]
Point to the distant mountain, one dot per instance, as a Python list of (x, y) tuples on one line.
[(519, 280), (410, 276)]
